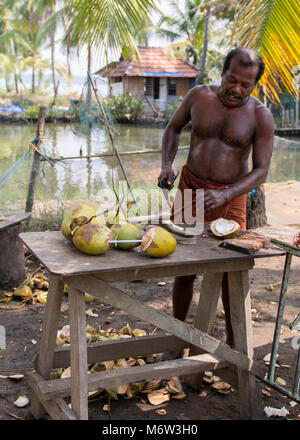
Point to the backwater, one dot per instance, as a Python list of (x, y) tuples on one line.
[(84, 178)]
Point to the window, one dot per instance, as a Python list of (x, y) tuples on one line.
[(172, 86), (148, 87)]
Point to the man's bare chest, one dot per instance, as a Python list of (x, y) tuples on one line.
[(235, 127)]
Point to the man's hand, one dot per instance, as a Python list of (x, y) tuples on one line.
[(166, 178), (214, 198)]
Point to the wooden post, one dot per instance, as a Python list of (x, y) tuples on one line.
[(36, 161), (109, 131)]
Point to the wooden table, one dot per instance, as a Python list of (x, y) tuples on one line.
[(94, 274), (12, 265)]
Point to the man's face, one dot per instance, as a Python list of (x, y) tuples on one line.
[(237, 83)]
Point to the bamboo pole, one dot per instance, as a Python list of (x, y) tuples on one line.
[(36, 160), (109, 131), (121, 153)]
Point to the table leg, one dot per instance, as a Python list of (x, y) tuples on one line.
[(79, 379), (240, 315), (47, 344), (205, 316)]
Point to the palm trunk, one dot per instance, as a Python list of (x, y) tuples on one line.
[(68, 56), (8, 89), (53, 63), (201, 74), (89, 88), (17, 84), (33, 80), (12, 48)]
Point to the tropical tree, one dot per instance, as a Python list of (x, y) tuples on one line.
[(186, 22), (271, 27), (193, 23), (213, 8), (109, 25), (12, 39)]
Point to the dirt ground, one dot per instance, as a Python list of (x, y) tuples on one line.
[(23, 328)]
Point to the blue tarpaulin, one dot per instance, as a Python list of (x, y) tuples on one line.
[(163, 73), (12, 108)]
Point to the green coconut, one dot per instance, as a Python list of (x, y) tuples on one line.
[(224, 228), (92, 239), (112, 218), (126, 231), (84, 211), (157, 242)]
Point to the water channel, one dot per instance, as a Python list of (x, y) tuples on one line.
[(83, 178)]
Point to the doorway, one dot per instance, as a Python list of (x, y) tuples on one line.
[(156, 88)]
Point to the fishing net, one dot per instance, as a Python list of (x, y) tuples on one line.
[(90, 120)]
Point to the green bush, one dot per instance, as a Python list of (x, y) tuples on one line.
[(125, 107), (31, 112), (171, 109)]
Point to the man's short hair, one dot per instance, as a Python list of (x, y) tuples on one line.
[(245, 60)]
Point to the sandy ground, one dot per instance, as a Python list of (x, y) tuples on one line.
[(23, 331)]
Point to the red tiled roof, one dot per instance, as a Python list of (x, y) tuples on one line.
[(153, 62)]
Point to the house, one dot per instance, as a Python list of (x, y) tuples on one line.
[(155, 76)]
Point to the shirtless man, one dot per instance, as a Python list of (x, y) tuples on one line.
[(227, 122)]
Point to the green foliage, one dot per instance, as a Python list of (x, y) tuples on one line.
[(125, 107), (31, 112), (171, 109)]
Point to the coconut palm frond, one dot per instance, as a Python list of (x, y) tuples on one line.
[(110, 21), (49, 26), (5, 61), (271, 27)]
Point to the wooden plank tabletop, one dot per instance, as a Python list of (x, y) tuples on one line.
[(60, 256), (14, 219)]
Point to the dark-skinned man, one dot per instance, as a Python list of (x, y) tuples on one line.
[(227, 123)]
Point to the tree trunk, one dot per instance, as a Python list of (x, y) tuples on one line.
[(201, 74), (8, 89), (33, 80), (68, 55), (53, 63), (12, 47), (17, 84), (89, 88), (256, 211)]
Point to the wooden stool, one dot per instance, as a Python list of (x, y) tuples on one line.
[(12, 265), (93, 275)]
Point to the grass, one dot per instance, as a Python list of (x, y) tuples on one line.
[(39, 98)]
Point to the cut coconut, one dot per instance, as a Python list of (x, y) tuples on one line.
[(179, 396), (224, 228), (21, 401), (151, 386), (66, 373), (174, 386), (158, 396), (157, 242), (16, 376), (221, 385)]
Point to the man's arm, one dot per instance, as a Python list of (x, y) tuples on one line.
[(171, 139), (261, 157)]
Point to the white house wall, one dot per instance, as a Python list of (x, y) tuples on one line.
[(117, 88)]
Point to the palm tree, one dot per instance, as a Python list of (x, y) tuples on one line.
[(108, 24), (271, 27), (188, 23), (213, 8), (193, 23)]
